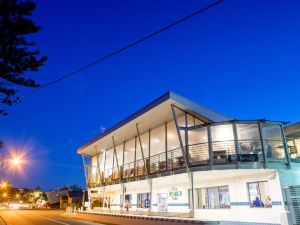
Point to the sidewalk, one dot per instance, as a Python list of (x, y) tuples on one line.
[(121, 219)]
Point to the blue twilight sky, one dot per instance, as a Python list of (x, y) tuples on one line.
[(240, 58)]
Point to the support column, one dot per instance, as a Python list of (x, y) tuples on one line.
[(150, 183), (117, 161), (98, 165), (236, 142), (286, 151), (123, 196), (191, 181), (85, 173), (261, 136), (89, 199), (210, 149), (179, 137)]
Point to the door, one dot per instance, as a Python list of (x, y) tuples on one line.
[(162, 200)]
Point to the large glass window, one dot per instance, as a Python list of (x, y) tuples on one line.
[(222, 142), (213, 198), (294, 148), (129, 156), (109, 164), (273, 141), (259, 194), (175, 158), (158, 148), (140, 166), (172, 136), (248, 139), (127, 201), (198, 146), (119, 150), (143, 200)]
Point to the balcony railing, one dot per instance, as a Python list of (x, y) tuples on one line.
[(210, 153)]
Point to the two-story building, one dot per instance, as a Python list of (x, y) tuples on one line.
[(175, 157)]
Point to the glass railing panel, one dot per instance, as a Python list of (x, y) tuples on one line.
[(294, 149), (274, 150), (273, 142), (222, 151), (250, 150), (93, 176)]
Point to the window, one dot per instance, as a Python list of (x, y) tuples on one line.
[(259, 194), (273, 141), (128, 198), (213, 198), (248, 139), (143, 200), (222, 142)]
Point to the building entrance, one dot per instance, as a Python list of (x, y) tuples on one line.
[(162, 200)]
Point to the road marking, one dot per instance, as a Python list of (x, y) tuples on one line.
[(56, 221)]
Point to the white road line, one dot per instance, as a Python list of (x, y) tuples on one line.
[(56, 221)]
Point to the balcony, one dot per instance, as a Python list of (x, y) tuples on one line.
[(209, 146)]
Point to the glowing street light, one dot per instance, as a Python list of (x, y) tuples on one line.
[(16, 161), (3, 184)]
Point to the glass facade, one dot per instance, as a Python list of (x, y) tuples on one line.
[(212, 198), (273, 142), (207, 145)]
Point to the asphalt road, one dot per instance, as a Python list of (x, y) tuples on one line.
[(37, 217)]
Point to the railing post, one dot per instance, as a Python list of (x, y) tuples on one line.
[(261, 136), (286, 151), (236, 141), (210, 149)]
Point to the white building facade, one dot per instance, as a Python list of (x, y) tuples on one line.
[(177, 158)]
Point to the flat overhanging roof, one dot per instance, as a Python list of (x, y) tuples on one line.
[(293, 130), (151, 116)]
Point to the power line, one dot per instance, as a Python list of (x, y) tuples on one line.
[(132, 44)]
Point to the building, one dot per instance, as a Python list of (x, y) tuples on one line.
[(66, 196), (291, 178), (175, 157)]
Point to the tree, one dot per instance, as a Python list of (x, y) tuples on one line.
[(17, 58)]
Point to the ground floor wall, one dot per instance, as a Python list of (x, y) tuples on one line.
[(225, 195)]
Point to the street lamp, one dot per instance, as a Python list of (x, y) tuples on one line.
[(3, 184)]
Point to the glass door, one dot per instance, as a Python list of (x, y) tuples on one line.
[(162, 200)]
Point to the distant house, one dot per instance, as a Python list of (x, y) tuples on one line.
[(66, 196)]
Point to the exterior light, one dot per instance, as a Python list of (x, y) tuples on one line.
[(3, 184), (16, 161), (4, 194)]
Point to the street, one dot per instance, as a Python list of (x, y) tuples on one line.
[(37, 217)]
